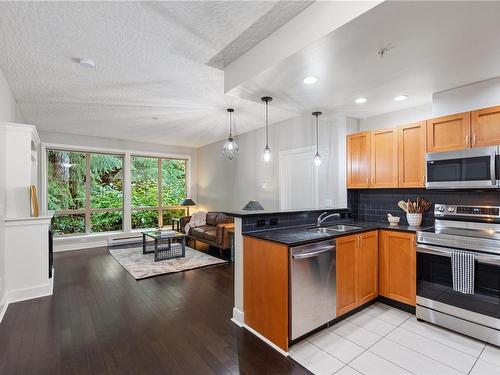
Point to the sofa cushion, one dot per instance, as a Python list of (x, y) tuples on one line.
[(224, 219), (200, 231), (212, 218), (210, 235)]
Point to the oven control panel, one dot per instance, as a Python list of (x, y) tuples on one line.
[(444, 210)]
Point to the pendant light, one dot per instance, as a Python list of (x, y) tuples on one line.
[(267, 156), (231, 148), (317, 157)]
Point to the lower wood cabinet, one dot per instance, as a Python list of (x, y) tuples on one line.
[(397, 266), (357, 270), (265, 289)]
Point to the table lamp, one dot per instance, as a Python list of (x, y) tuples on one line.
[(188, 202)]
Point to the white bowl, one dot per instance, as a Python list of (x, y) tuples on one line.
[(393, 220)]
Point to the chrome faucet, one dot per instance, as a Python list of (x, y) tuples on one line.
[(322, 217)]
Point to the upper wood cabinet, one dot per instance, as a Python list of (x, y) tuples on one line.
[(358, 160), (356, 271), (411, 148), (448, 133), (397, 266), (485, 127), (384, 158)]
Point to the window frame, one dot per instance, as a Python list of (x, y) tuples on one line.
[(159, 184), (127, 210), (88, 210)]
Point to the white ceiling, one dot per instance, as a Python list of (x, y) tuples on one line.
[(152, 61), (437, 46)]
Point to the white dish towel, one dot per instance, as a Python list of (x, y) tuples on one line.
[(463, 271)]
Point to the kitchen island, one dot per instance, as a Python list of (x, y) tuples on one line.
[(364, 257)]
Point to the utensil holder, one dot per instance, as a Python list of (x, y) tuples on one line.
[(414, 220)]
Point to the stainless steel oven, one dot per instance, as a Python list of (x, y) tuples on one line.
[(475, 230), (469, 168)]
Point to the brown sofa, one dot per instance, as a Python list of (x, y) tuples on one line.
[(214, 233)]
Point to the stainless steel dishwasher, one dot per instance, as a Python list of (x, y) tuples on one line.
[(312, 287)]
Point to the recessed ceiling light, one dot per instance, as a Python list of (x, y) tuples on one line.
[(154, 118), (400, 98), (360, 100), (309, 80), (87, 63)]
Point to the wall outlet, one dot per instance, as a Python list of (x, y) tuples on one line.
[(261, 223), (273, 221)]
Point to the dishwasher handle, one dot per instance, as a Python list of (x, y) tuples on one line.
[(312, 254)]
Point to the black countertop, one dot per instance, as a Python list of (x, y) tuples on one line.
[(300, 235)]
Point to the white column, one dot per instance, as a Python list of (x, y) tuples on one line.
[(238, 314)]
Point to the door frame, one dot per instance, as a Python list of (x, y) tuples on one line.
[(283, 174)]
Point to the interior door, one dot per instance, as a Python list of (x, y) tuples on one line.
[(298, 179)]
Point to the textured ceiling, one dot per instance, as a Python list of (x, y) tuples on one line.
[(152, 61)]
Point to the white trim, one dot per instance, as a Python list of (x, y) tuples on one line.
[(267, 341), (33, 292), (238, 317), (3, 306)]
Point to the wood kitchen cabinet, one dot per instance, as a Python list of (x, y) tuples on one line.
[(265, 289), (449, 133), (411, 149), (485, 127), (384, 158), (397, 266), (358, 160), (357, 270), (347, 273)]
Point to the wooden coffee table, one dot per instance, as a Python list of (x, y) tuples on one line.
[(164, 244)]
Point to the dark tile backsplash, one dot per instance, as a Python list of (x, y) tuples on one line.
[(374, 204), (282, 220)]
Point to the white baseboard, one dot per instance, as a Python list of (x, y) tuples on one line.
[(30, 293), (267, 341), (238, 317), (3, 306)]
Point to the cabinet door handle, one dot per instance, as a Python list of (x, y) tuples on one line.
[(474, 139), (368, 181), (466, 140)]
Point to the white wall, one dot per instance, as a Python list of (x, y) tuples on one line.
[(229, 185), (467, 98), (8, 113), (405, 116)]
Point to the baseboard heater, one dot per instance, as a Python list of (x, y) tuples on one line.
[(124, 240)]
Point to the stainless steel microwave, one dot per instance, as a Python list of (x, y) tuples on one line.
[(473, 168)]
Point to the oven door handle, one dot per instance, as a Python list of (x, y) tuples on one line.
[(443, 251)]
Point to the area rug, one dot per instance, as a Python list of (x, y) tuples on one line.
[(141, 266)]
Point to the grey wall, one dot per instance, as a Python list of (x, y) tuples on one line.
[(225, 184)]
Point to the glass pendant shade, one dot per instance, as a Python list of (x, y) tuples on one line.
[(317, 157), (231, 148), (267, 156)]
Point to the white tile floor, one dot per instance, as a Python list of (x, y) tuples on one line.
[(384, 340)]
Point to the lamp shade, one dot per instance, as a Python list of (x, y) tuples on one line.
[(253, 206), (188, 202)]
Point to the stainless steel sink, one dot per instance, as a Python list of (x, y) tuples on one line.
[(335, 228), (343, 228)]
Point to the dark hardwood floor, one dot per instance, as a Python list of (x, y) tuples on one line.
[(100, 320)]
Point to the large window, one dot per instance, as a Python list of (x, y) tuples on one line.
[(86, 191), (158, 186)]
